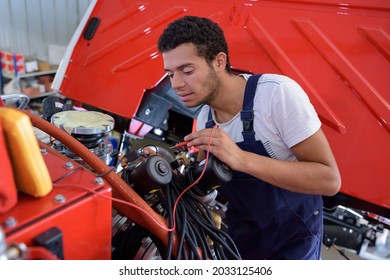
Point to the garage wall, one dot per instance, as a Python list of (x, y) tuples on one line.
[(30, 26)]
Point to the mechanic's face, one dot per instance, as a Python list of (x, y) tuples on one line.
[(194, 81)]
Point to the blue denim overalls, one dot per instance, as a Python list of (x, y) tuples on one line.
[(267, 222)]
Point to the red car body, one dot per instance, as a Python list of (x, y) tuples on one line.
[(339, 53)]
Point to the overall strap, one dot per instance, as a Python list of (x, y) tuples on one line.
[(210, 122), (247, 114), (247, 109)]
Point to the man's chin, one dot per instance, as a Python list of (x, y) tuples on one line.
[(189, 104), (192, 106)]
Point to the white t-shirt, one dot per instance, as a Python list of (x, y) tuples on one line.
[(283, 116)]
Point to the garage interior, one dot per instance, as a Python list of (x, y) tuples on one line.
[(34, 39)]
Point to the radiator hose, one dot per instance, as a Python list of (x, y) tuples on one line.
[(120, 189)]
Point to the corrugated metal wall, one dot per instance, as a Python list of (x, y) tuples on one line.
[(30, 26)]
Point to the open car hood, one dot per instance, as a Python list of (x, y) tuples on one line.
[(339, 53)]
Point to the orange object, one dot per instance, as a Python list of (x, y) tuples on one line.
[(31, 173)]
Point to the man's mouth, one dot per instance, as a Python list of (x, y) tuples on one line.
[(184, 96)]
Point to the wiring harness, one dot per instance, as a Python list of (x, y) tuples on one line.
[(197, 228), (175, 190)]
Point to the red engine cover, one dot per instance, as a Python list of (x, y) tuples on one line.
[(77, 206), (8, 194)]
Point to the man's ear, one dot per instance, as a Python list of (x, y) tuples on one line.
[(220, 61)]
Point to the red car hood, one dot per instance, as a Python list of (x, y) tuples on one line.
[(339, 53)]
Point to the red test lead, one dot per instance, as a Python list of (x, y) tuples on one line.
[(179, 145)]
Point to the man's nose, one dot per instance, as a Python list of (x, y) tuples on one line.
[(177, 82)]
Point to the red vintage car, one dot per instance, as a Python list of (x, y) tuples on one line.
[(338, 52)]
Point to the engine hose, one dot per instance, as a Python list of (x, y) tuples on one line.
[(121, 189)]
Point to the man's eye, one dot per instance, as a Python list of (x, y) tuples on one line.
[(188, 72), (170, 75)]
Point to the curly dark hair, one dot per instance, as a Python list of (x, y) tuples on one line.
[(205, 34)]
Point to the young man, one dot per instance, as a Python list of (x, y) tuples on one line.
[(281, 159)]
